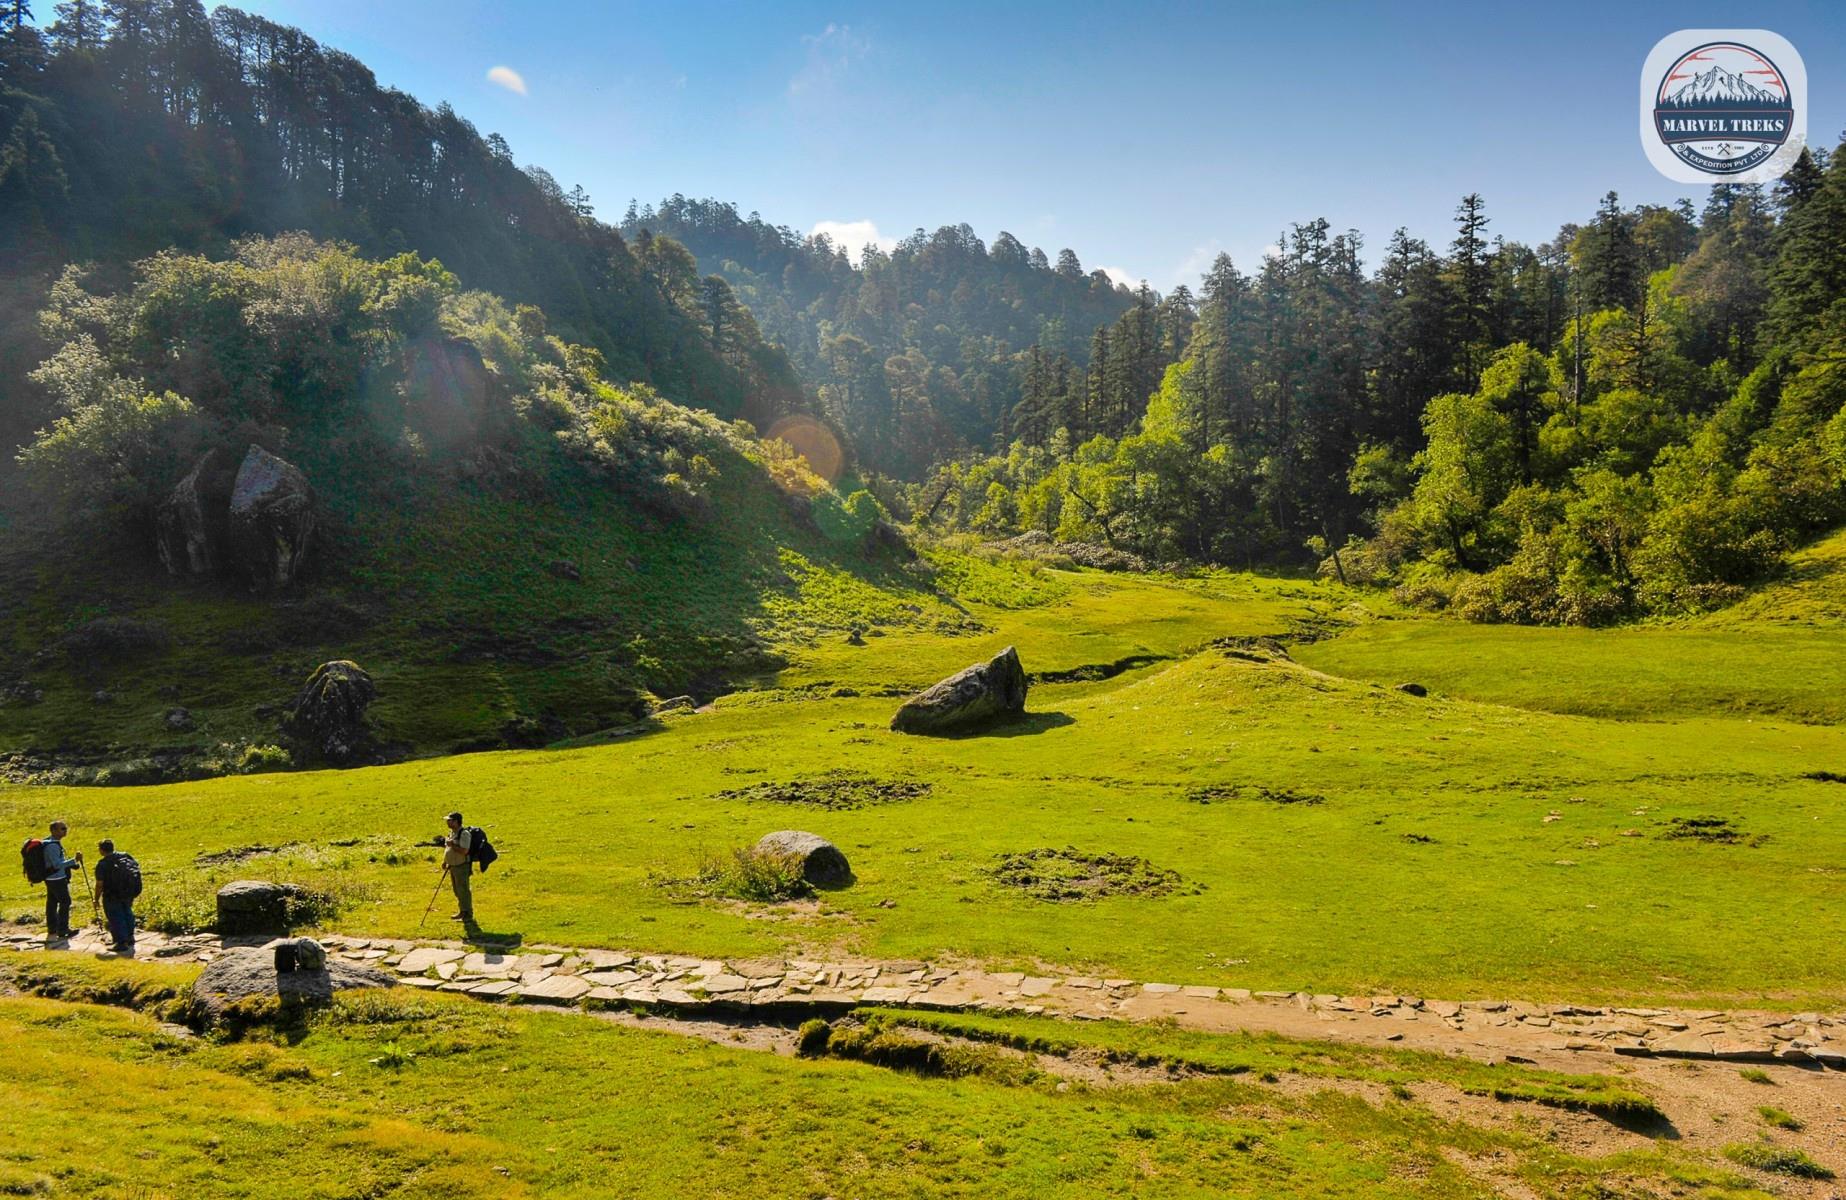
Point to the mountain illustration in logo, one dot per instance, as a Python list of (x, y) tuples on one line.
[(1716, 87)]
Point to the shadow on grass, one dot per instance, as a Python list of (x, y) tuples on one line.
[(474, 935), (607, 737), (1030, 723), (1656, 1125)]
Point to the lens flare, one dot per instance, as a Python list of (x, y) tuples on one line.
[(813, 441)]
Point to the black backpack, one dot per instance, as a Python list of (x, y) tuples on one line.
[(33, 854), (124, 876), (481, 852)]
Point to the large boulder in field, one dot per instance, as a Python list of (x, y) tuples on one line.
[(328, 715), (272, 520), (249, 906), (982, 695), (822, 864), (241, 972), (191, 523)]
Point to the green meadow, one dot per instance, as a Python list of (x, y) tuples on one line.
[(434, 1096), (1544, 825)]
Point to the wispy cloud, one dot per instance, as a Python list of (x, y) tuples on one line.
[(1118, 275), (1196, 263), (507, 78), (853, 236), (831, 55)]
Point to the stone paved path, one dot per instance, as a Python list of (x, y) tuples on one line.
[(780, 987)]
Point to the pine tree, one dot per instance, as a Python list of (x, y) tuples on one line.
[(1607, 258), (1473, 284), (1809, 273), (78, 26)]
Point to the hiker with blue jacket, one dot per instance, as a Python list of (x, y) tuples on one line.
[(58, 883)]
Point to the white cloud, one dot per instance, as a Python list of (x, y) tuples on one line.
[(1118, 275), (507, 78), (854, 236), (1196, 263), (831, 53)]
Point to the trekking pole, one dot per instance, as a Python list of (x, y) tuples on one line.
[(94, 915), (440, 876)]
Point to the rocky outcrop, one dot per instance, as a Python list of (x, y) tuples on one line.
[(448, 393), (822, 863), (1413, 689), (984, 694), (249, 906), (328, 715), (242, 972), (272, 520), (190, 522)]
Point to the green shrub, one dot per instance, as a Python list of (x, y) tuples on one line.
[(746, 873), (257, 759), (884, 1043), (1781, 1118), (1778, 1160), (811, 1041)]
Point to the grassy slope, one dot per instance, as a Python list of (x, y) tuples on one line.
[(1344, 895), (442, 591), (493, 1104), (1775, 654)]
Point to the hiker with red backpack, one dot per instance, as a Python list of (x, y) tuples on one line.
[(46, 863), (118, 878)]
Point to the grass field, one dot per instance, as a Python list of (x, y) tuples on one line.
[(420, 1096), (1329, 834), (1775, 654)]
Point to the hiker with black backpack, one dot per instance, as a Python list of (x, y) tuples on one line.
[(464, 846), (118, 878), (46, 863)]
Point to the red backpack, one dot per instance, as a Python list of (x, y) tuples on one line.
[(33, 854)]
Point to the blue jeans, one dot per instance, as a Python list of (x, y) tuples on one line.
[(58, 907), (121, 917)]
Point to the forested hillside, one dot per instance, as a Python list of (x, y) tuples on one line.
[(131, 126), (1642, 416), (1639, 416), (925, 350)]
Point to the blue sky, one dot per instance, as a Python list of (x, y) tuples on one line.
[(1147, 137)]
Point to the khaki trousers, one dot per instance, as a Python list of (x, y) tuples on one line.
[(464, 895)]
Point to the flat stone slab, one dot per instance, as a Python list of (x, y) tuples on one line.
[(555, 988), (610, 979), (488, 964), (1685, 1045), (416, 962), (494, 987)]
